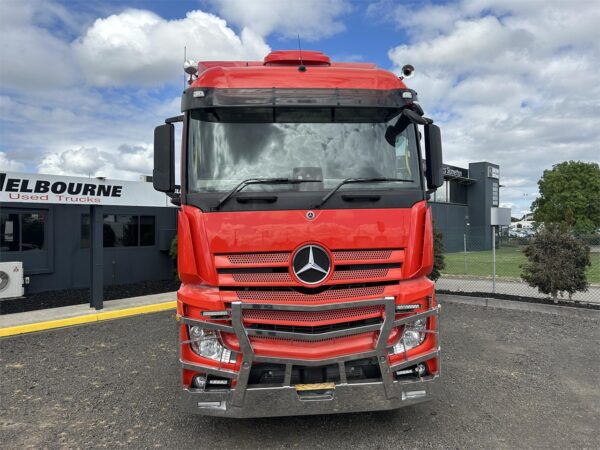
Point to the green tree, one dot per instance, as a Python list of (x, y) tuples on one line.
[(173, 248), (556, 262), (570, 194), (439, 263), (173, 254)]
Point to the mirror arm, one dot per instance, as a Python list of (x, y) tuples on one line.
[(174, 119)]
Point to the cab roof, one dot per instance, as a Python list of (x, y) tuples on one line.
[(294, 69)]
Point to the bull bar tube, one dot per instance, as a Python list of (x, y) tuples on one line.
[(244, 401)]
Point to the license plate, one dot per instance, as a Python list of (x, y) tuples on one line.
[(315, 387)]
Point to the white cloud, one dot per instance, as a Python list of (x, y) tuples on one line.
[(81, 96), (510, 82), (29, 51), (9, 164), (311, 19), (139, 47), (128, 163)]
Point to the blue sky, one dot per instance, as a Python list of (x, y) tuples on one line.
[(83, 83)]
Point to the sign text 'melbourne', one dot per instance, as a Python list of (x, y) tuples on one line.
[(58, 187)]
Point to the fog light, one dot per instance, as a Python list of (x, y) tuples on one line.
[(199, 381), (419, 370), (412, 337), (206, 343)]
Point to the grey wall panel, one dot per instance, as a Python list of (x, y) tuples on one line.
[(70, 264), (450, 219)]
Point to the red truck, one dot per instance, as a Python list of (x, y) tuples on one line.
[(304, 237)]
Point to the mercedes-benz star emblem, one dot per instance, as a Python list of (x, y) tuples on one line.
[(311, 264)]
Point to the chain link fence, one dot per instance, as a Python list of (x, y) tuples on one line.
[(471, 267)]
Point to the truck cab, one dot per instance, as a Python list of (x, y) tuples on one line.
[(304, 237)]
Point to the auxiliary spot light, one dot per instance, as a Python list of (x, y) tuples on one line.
[(408, 70), (190, 67)]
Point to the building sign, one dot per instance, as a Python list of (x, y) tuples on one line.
[(38, 188), (454, 172), (495, 193), (500, 216), (493, 172)]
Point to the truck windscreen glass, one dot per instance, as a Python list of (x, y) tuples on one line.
[(328, 145)]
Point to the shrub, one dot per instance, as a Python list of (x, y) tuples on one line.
[(556, 262), (439, 262), (173, 254), (173, 248)]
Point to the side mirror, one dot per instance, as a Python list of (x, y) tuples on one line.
[(163, 176), (433, 156)]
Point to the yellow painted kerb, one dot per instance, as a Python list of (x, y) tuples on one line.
[(87, 318)]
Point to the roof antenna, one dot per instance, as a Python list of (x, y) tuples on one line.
[(184, 60), (301, 67)]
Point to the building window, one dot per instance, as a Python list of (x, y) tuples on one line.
[(147, 230), (451, 191), (85, 231), (22, 230), (441, 194), (458, 193), (121, 230)]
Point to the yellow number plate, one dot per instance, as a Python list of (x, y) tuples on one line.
[(315, 387)]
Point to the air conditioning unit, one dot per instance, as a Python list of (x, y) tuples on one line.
[(11, 279)]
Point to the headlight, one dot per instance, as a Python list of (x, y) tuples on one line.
[(412, 337), (206, 343)]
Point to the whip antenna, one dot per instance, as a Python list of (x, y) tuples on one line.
[(301, 67)]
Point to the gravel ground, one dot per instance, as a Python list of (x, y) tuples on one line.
[(511, 380)]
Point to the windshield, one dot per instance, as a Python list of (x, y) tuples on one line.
[(328, 145)]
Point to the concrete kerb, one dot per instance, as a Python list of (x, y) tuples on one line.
[(516, 305), (48, 319)]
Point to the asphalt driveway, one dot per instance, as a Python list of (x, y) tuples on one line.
[(512, 379)]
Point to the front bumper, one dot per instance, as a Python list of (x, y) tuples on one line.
[(286, 401), (246, 400)]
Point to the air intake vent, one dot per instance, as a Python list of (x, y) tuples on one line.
[(294, 57)]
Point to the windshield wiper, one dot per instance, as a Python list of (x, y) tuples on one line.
[(250, 181), (359, 180)]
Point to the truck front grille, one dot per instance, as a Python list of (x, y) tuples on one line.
[(320, 329), (349, 255), (271, 277), (258, 258), (275, 317), (273, 268), (290, 295), (354, 274)]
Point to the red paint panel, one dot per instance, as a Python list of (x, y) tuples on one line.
[(311, 350), (330, 77), (277, 231), (186, 262)]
